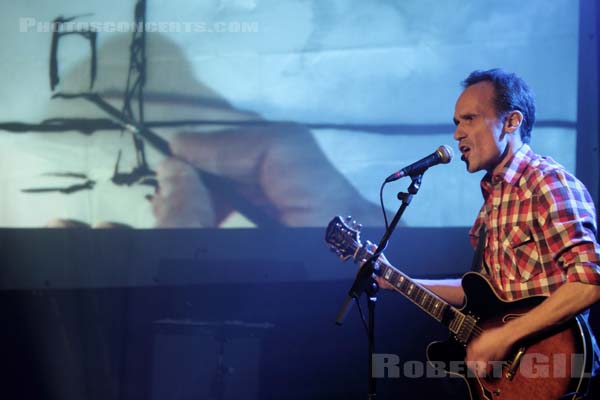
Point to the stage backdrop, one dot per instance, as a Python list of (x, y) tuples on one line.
[(294, 110)]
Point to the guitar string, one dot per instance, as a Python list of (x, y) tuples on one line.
[(476, 331), (472, 325)]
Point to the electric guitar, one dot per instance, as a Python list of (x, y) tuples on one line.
[(555, 364)]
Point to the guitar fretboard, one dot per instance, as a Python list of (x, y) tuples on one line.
[(416, 293)]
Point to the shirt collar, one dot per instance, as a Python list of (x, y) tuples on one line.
[(512, 170)]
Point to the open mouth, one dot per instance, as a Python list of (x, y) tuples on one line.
[(465, 151)]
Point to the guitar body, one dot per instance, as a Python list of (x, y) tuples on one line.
[(555, 365)]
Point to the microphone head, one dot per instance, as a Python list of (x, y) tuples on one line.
[(445, 152)]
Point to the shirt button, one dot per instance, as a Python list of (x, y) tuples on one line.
[(497, 268)]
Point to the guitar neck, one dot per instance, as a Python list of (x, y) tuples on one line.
[(422, 297)]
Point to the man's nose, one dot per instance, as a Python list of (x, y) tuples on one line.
[(458, 133)]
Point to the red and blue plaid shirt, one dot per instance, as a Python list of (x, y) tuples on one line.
[(541, 228)]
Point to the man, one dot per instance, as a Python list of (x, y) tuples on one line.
[(538, 219)]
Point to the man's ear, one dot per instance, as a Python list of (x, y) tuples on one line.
[(513, 121)]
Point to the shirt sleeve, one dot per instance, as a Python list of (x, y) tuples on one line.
[(568, 219)]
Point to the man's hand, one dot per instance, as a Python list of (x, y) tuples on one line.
[(182, 199), (279, 169), (381, 283), (486, 352)]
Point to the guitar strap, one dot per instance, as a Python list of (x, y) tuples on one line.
[(478, 264)]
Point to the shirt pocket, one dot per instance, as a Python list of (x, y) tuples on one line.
[(521, 253)]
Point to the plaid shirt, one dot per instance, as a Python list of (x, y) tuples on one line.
[(541, 228)]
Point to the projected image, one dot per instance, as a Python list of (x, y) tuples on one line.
[(243, 113)]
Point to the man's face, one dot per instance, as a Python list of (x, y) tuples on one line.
[(478, 128)]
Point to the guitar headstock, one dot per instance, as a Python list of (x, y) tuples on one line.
[(343, 236)]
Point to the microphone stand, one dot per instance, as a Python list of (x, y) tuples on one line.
[(364, 279)]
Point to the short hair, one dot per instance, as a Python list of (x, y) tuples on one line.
[(511, 93)]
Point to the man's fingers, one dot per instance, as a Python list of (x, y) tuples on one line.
[(234, 154), (182, 199), (478, 368), (383, 284)]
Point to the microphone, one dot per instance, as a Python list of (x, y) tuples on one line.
[(442, 155)]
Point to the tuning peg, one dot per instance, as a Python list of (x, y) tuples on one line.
[(348, 218), (358, 227)]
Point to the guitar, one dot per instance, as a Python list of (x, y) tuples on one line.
[(555, 364)]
